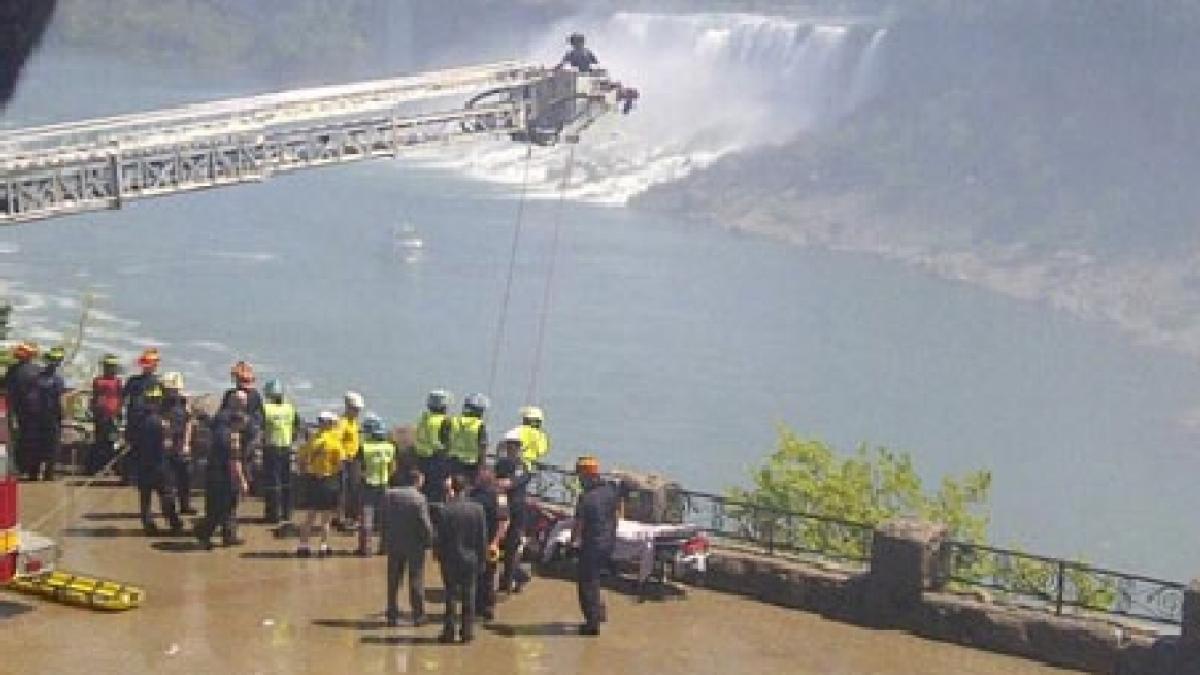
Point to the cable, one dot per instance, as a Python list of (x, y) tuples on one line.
[(543, 316), (502, 319)]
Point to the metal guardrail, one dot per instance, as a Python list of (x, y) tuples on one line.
[(775, 532), (1059, 584)]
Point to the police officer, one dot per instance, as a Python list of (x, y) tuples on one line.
[(180, 427), (594, 534), (468, 436), (495, 508), (280, 429), (106, 414), (135, 407), (431, 442), (43, 425), (233, 433), (535, 444), (513, 477), (153, 472)]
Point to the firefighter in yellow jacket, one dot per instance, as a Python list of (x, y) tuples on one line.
[(535, 444)]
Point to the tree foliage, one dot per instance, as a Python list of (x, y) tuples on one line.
[(869, 486)]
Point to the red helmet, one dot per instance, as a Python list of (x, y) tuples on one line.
[(242, 373)]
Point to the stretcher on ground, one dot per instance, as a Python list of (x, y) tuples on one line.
[(655, 552)]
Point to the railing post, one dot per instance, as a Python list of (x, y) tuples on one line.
[(1062, 574), (770, 536)]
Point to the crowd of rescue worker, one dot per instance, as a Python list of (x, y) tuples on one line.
[(431, 485)]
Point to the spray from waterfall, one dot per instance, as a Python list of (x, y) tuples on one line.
[(711, 84)]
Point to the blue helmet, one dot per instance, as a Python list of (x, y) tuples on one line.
[(273, 388), (373, 426)]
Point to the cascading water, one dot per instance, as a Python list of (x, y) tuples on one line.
[(711, 84)]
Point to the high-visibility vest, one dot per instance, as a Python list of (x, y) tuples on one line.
[(428, 439), (280, 424), (378, 457), (534, 444), (464, 439)]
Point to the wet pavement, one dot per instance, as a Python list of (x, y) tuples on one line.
[(255, 608)]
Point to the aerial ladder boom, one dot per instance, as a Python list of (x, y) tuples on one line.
[(99, 164)]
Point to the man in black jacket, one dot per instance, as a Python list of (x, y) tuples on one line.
[(462, 550)]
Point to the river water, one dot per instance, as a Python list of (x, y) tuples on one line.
[(670, 347)]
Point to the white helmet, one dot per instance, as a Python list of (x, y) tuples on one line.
[(173, 380), (354, 400), (327, 417), (513, 435)]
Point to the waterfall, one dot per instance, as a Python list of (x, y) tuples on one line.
[(711, 84)]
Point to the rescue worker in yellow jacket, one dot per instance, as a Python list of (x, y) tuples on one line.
[(281, 430), (431, 443), (468, 437), (378, 465), (535, 443), (348, 430), (320, 466)]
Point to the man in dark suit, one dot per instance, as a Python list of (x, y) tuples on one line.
[(407, 532), (461, 547)]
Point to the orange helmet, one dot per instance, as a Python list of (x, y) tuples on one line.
[(587, 466), (25, 351), (149, 358), (242, 372)]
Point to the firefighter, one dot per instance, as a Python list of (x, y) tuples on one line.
[(154, 473), (226, 481), (378, 460), (579, 56), (135, 407), (468, 437), (281, 428), (513, 477), (42, 427), (106, 414), (594, 535), (180, 427), (242, 374), (495, 508), (431, 442), (20, 382), (535, 443)]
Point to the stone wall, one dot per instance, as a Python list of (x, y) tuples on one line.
[(900, 592)]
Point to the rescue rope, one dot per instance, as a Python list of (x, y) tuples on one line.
[(502, 319), (531, 392), (66, 501)]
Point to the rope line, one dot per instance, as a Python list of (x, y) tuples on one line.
[(531, 392), (502, 319)]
